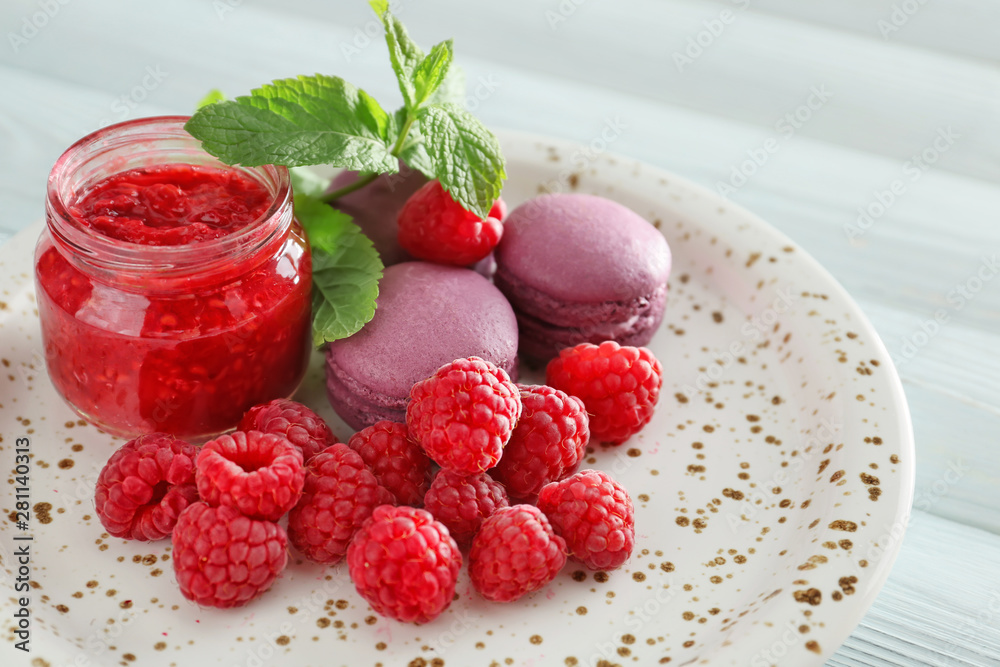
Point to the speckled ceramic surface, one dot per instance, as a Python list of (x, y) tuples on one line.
[(771, 488)]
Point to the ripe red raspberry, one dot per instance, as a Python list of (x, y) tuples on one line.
[(618, 385), (145, 485), (399, 464), (259, 474), (339, 494), (224, 559), (462, 503), (594, 514), (404, 564), (547, 444), (463, 415), (434, 227), (304, 428), (515, 553)]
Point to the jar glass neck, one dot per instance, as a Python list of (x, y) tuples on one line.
[(143, 143)]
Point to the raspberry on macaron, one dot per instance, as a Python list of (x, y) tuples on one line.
[(434, 227)]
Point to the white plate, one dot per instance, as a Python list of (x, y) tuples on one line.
[(760, 539)]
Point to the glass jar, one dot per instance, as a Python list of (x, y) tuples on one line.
[(184, 338)]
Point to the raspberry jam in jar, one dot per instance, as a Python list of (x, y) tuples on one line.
[(173, 290)]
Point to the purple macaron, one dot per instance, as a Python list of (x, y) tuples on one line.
[(427, 315), (376, 206), (579, 268)]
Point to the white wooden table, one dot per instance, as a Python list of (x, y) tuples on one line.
[(867, 130)]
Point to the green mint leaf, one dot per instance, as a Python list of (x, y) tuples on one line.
[(415, 155), (452, 89), (466, 156), (307, 182), (346, 270), (213, 96), (403, 52), (296, 122), (431, 72)]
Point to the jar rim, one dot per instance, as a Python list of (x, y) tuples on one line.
[(107, 253)]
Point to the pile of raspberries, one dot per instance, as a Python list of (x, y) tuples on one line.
[(505, 490)]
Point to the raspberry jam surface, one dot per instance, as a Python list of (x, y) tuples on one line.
[(183, 345), (171, 204)]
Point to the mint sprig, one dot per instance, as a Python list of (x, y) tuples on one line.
[(346, 270), (296, 122), (321, 119)]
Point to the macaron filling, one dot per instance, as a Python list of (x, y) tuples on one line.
[(547, 325)]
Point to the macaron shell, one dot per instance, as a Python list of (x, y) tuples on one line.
[(540, 340), (582, 248), (358, 405), (427, 315), (376, 206)]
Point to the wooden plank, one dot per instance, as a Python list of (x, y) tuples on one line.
[(941, 605)]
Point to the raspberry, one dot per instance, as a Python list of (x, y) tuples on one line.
[(304, 428), (145, 485), (399, 464), (463, 415), (594, 514), (259, 474), (462, 503), (547, 444), (224, 559), (404, 564), (515, 553), (339, 494), (618, 385), (434, 227)]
